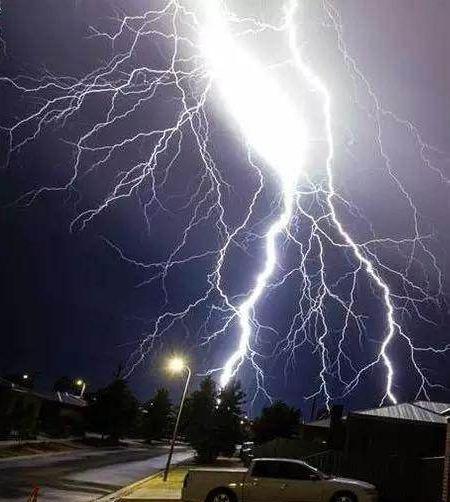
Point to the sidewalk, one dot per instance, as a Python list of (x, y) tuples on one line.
[(152, 487), (43, 447), (155, 489)]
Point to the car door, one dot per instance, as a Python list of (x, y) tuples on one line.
[(263, 483), (299, 483)]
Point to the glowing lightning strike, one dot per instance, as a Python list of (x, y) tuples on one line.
[(128, 124), (245, 88), (322, 90), (272, 127)]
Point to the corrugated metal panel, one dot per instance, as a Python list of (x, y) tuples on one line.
[(439, 408), (406, 411)]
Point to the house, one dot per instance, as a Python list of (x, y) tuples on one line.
[(407, 429), (19, 411), (399, 448), (25, 412)]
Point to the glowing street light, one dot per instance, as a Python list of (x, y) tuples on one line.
[(176, 365), (82, 385)]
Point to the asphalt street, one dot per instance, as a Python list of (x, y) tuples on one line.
[(82, 475)]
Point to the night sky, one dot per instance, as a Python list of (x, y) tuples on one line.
[(71, 305)]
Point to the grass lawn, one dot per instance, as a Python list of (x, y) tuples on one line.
[(25, 448)]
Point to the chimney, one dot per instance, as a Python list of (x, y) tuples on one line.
[(337, 430), (446, 480)]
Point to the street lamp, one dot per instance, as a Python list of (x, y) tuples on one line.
[(82, 384), (177, 365)]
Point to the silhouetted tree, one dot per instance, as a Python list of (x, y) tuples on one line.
[(201, 421), (212, 420), (228, 418), (157, 417), (277, 421), (114, 409)]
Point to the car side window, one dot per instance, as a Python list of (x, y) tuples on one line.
[(299, 472), (266, 469)]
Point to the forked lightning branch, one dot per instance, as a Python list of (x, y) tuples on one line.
[(204, 51)]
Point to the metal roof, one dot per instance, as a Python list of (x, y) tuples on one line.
[(325, 422), (439, 408), (412, 412)]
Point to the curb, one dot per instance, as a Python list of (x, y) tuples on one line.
[(127, 489)]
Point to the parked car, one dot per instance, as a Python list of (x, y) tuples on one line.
[(246, 453), (273, 480)]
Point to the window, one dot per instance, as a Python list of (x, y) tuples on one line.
[(277, 469), (300, 472), (266, 469)]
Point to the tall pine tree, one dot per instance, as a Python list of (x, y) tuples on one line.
[(201, 426), (228, 418), (213, 420), (158, 415)]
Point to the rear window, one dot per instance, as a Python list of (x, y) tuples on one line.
[(266, 469)]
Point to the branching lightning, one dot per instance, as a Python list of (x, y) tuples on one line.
[(286, 122)]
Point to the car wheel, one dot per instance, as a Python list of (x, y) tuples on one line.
[(221, 496), (344, 497)]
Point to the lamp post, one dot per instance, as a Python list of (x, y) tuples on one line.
[(177, 365), (82, 384)]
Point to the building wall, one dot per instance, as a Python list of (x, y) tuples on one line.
[(59, 420), (19, 414), (391, 454), (288, 448), (374, 436)]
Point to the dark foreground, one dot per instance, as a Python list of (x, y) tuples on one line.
[(82, 475)]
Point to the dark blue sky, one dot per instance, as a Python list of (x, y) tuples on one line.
[(70, 305)]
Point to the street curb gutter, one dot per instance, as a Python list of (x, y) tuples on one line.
[(116, 496)]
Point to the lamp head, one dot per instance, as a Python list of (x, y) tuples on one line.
[(176, 365)]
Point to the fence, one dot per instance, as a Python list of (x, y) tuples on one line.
[(398, 479)]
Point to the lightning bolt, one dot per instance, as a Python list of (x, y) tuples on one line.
[(245, 87), (202, 57), (273, 129)]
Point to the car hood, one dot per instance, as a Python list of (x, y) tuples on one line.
[(352, 482)]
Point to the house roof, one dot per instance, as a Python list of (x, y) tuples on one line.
[(440, 408), (325, 422), (420, 411), (60, 397)]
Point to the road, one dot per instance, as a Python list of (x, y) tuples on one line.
[(80, 476)]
